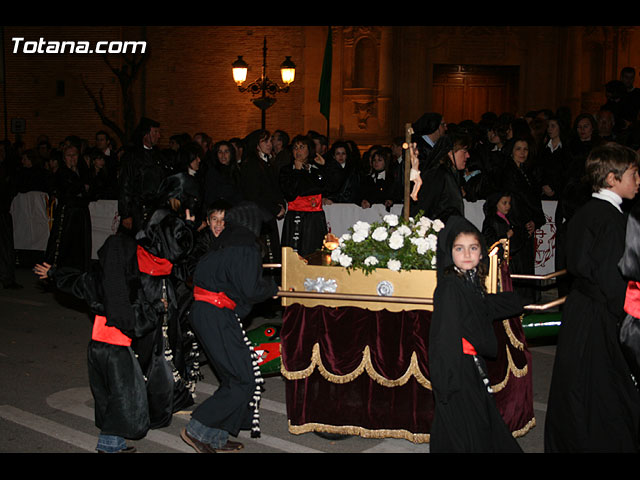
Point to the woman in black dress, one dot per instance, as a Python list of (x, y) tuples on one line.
[(303, 184), (526, 208), (70, 237)]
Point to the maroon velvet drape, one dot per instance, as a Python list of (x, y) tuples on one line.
[(341, 335)]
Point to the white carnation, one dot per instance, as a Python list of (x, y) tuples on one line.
[(361, 226), (380, 234), (422, 245), (335, 255), (438, 225), (425, 222), (432, 241), (343, 238), (394, 265), (396, 241), (391, 219), (359, 236), (370, 260), (345, 260), (404, 230)]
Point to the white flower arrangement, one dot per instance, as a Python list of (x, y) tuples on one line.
[(393, 243)]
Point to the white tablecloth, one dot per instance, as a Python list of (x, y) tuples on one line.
[(31, 223)]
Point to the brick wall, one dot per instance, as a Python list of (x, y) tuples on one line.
[(187, 83)]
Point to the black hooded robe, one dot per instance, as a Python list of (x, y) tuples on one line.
[(167, 238), (593, 404), (466, 417), (115, 376), (234, 269)]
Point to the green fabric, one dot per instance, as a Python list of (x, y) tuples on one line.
[(324, 95)]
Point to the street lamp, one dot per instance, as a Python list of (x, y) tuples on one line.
[(263, 85)]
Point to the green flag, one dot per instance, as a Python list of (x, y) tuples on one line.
[(324, 95)]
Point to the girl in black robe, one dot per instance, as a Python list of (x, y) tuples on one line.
[(466, 417), (122, 311), (228, 281), (593, 403)]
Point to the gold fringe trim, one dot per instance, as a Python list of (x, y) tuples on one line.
[(360, 431), (382, 433), (511, 367), (514, 341), (365, 366), (524, 430)]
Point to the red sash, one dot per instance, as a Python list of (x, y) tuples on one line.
[(467, 348), (310, 203), (220, 300), (152, 265), (632, 299), (106, 334)]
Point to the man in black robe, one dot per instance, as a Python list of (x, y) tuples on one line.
[(227, 282), (143, 170)]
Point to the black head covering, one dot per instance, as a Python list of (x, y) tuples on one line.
[(183, 187), (249, 215), (117, 258), (455, 226), (166, 235), (427, 123)]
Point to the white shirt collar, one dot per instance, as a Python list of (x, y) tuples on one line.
[(427, 139), (609, 196), (551, 147)]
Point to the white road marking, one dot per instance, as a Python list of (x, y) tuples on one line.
[(48, 427)]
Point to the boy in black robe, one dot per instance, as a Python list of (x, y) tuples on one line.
[(227, 282), (593, 404)]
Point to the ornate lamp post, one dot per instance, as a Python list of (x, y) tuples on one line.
[(263, 86)]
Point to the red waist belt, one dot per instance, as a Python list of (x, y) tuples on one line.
[(632, 299), (220, 300), (310, 203), (106, 334), (467, 348), (152, 265)]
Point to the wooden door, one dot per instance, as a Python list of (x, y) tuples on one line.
[(465, 92)]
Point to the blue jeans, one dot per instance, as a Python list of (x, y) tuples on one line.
[(209, 435), (110, 443)]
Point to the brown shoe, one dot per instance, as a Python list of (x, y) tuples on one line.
[(197, 445), (230, 446)]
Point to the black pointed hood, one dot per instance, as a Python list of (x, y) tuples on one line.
[(454, 226)]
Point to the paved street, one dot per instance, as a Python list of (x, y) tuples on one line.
[(46, 405)]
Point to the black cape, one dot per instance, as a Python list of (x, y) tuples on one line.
[(235, 268), (114, 290), (466, 418)]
